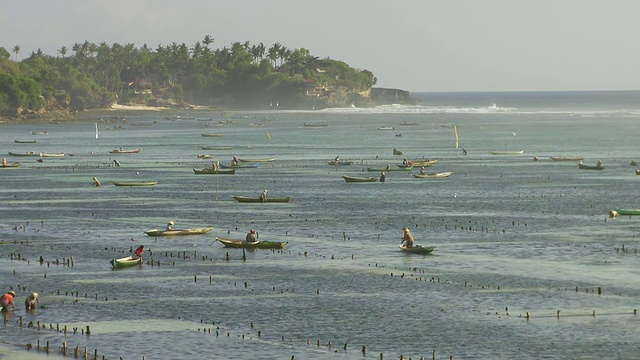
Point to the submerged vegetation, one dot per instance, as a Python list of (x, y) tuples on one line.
[(97, 75)]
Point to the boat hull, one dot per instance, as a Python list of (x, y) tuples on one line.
[(519, 152), (241, 244), (418, 249), (134, 183), (258, 160), (209, 171), (118, 151), (11, 165), (125, 262), (433, 175), (628, 211), (407, 168), (178, 232), (247, 199), (239, 166), (354, 179)]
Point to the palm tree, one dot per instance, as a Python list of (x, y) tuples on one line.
[(63, 51), (207, 40), (16, 49)]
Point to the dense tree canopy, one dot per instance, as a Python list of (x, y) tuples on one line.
[(92, 75)]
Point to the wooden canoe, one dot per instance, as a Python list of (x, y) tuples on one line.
[(215, 147), (178, 232), (25, 141), (518, 152), (28, 153), (212, 135), (120, 151), (424, 163), (11, 165), (271, 159), (434, 175), (590, 167), (417, 249), (408, 168), (241, 244), (628, 211), (39, 132), (566, 158), (125, 262), (247, 199), (339, 163), (356, 179), (210, 171), (51, 154), (239, 166), (134, 183)]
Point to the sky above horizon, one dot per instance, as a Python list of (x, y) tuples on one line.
[(414, 45)]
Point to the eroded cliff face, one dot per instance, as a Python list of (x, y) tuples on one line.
[(345, 97)]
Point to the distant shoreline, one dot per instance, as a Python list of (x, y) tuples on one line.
[(55, 117)]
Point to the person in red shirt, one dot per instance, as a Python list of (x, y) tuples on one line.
[(6, 300), (138, 252)]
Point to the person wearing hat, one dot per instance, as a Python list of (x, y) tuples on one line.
[(263, 196), (251, 236), (170, 225), (6, 300), (31, 301), (407, 238), (96, 182)]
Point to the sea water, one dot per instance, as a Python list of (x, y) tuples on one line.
[(527, 265)]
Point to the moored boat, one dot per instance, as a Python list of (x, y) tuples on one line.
[(121, 151), (215, 147), (28, 153), (11, 165), (506, 152), (25, 141), (51, 154), (443, 174), (424, 163), (597, 166), (210, 171), (338, 163), (39, 132), (566, 158), (240, 166), (319, 125), (254, 160), (212, 135), (407, 168), (126, 262), (356, 179), (628, 211), (238, 244), (248, 199), (178, 232), (417, 249), (134, 183)]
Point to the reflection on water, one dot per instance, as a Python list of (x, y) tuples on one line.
[(512, 237)]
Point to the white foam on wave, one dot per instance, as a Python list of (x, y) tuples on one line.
[(422, 109)]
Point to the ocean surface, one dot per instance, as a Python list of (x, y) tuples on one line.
[(527, 265)]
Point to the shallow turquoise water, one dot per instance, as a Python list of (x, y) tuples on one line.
[(513, 236)]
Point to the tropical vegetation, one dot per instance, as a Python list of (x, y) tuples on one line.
[(92, 75)]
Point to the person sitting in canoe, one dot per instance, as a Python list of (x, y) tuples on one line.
[(337, 159), (6, 300), (422, 170), (388, 166), (382, 176), (405, 162), (234, 161), (407, 238), (251, 236), (96, 182), (263, 196), (170, 225), (138, 253)]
